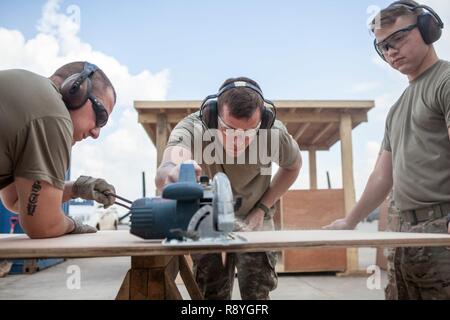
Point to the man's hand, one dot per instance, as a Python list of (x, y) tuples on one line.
[(174, 174), (255, 220), (81, 228), (89, 188), (340, 224)]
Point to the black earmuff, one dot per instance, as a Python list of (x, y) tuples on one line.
[(76, 88), (429, 23), (209, 109)]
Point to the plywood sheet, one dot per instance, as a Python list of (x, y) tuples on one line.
[(313, 209), (122, 243)]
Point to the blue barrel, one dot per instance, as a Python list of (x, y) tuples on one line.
[(9, 221)]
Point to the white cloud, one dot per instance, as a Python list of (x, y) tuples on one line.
[(125, 151)]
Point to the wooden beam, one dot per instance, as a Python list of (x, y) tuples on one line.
[(188, 279), (300, 116), (311, 116), (301, 130), (312, 169), (152, 117), (280, 104), (348, 182), (150, 132), (322, 133)]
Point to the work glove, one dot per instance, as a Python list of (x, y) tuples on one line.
[(89, 188), (81, 228)]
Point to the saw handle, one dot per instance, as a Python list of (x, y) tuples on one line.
[(106, 193)]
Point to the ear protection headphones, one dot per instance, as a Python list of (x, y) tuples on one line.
[(76, 89), (209, 112), (429, 23)]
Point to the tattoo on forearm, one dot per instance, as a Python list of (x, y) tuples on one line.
[(33, 199)]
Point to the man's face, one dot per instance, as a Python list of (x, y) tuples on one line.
[(237, 134), (84, 119), (409, 49)]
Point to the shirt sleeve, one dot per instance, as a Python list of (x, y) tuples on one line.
[(43, 150), (289, 150), (444, 99), (182, 135), (386, 144)]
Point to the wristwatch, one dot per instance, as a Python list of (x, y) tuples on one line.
[(264, 208)]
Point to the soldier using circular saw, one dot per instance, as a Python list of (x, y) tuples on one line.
[(236, 132)]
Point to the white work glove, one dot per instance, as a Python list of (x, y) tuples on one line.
[(81, 228), (89, 188)]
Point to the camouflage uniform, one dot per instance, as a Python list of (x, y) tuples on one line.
[(255, 271), (420, 272)]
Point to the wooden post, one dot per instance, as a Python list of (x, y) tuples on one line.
[(348, 182), (161, 140), (153, 278), (161, 136), (312, 169)]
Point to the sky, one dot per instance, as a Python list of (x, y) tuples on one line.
[(183, 50)]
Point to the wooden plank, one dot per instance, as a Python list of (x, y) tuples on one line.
[(124, 291), (301, 130), (304, 116), (348, 181), (138, 284), (122, 243), (150, 132), (324, 131), (312, 169), (170, 273), (327, 205), (188, 279), (280, 104)]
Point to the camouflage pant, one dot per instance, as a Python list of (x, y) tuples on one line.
[(255, 271), (421, 272)]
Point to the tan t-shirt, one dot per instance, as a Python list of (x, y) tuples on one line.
[(250, 177), (417, 135), (35, 129)]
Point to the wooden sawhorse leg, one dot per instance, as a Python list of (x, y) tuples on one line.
[(153, 278)]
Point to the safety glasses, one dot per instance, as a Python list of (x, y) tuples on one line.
[(395, 40), (101, 115), (238, 132)]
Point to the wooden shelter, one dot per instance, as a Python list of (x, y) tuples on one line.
[(316, 126)]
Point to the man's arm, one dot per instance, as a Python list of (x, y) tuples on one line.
[(279, 185), (39, 209), (169, 169), (377, 188), (68, 191), (10, 198)]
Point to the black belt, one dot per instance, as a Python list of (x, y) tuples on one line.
[(425, 214)]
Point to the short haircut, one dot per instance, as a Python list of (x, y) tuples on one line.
[(389, 15), (242, 102), (100, 82)]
